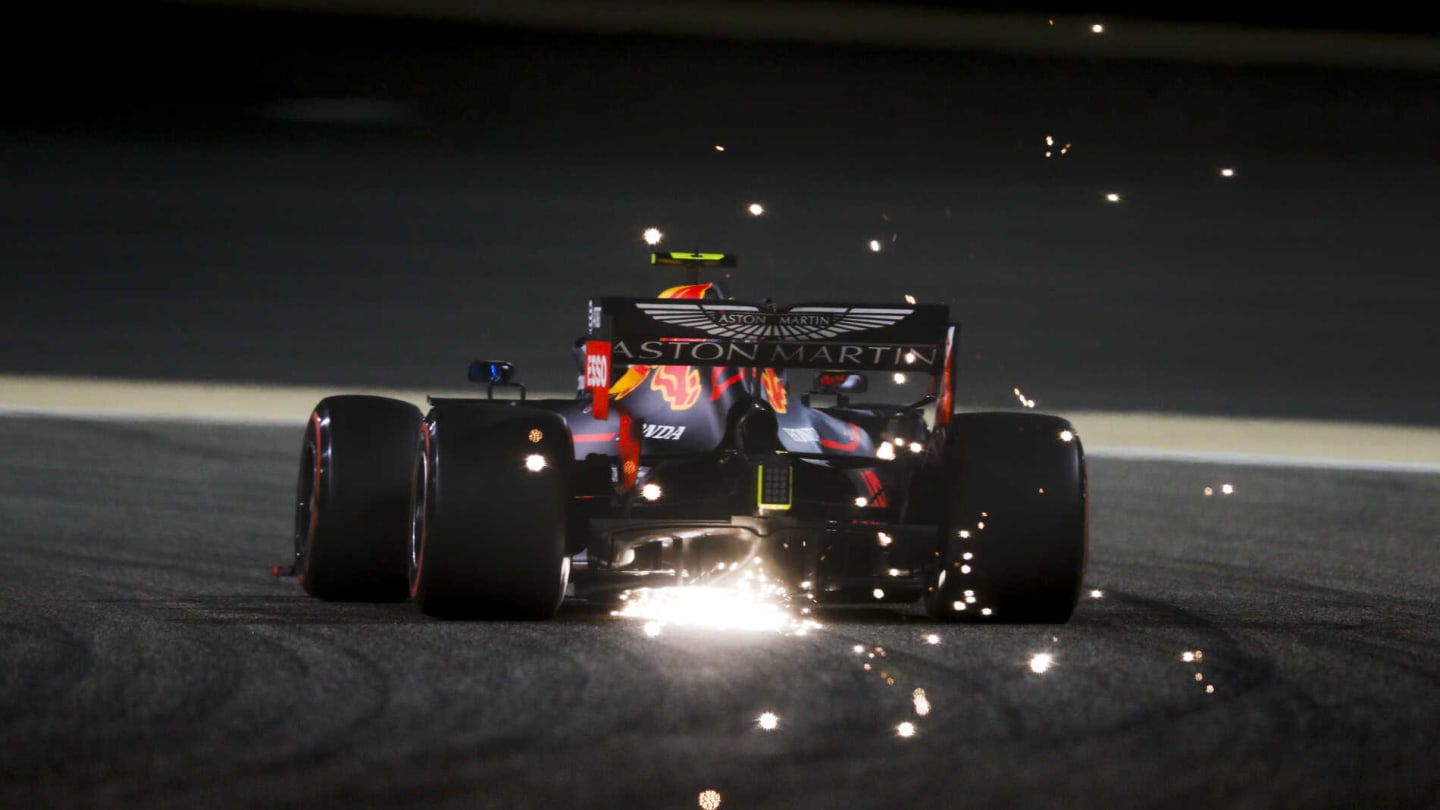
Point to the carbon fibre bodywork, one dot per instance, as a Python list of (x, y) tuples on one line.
[(734, 461)]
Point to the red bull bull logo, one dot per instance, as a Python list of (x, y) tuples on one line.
[(774, 390), (679, 385)]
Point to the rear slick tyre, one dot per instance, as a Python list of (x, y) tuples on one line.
[(1015, 524), (352, 504), (491, 491)]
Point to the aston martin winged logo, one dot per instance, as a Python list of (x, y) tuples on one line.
[(747, 322)]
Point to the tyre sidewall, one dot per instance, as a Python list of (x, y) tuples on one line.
[(1016, 502), (490, 539), (352, 543)]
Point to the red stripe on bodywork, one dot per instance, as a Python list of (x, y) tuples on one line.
[(594, 437), (629, 450), (873, 487), (718, 386), (844, 448), (946, 394)]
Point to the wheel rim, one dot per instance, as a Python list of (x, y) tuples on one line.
[(419, 507), (564, 573)]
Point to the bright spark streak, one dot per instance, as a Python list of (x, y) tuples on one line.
[(884, 538), (1112, 197), (1227, 172), (650, 492), (653, 236), (874, 245), (756, 209), (1097, 594), (922, 703), (1041, 662), (878, 593), (905, 729), (715, 608), (535, 462), (719, 148), (986, 611), (710, 799), (1097, 28), (909, 299), (768, 721), (932, 639), (899, 378), (1067, 436), (862, 501), (1227, 489)]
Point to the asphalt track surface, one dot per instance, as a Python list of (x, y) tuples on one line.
[(262, 236), (151, 660)]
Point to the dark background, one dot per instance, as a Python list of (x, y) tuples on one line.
[(211, 192)]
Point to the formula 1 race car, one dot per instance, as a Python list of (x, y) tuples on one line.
[(686, 451)]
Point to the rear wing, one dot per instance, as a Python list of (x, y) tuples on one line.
[(914, 338), (848, 337)]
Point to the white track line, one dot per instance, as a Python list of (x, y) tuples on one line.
[(136, 400), (1149, 436), (1268, 442)]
